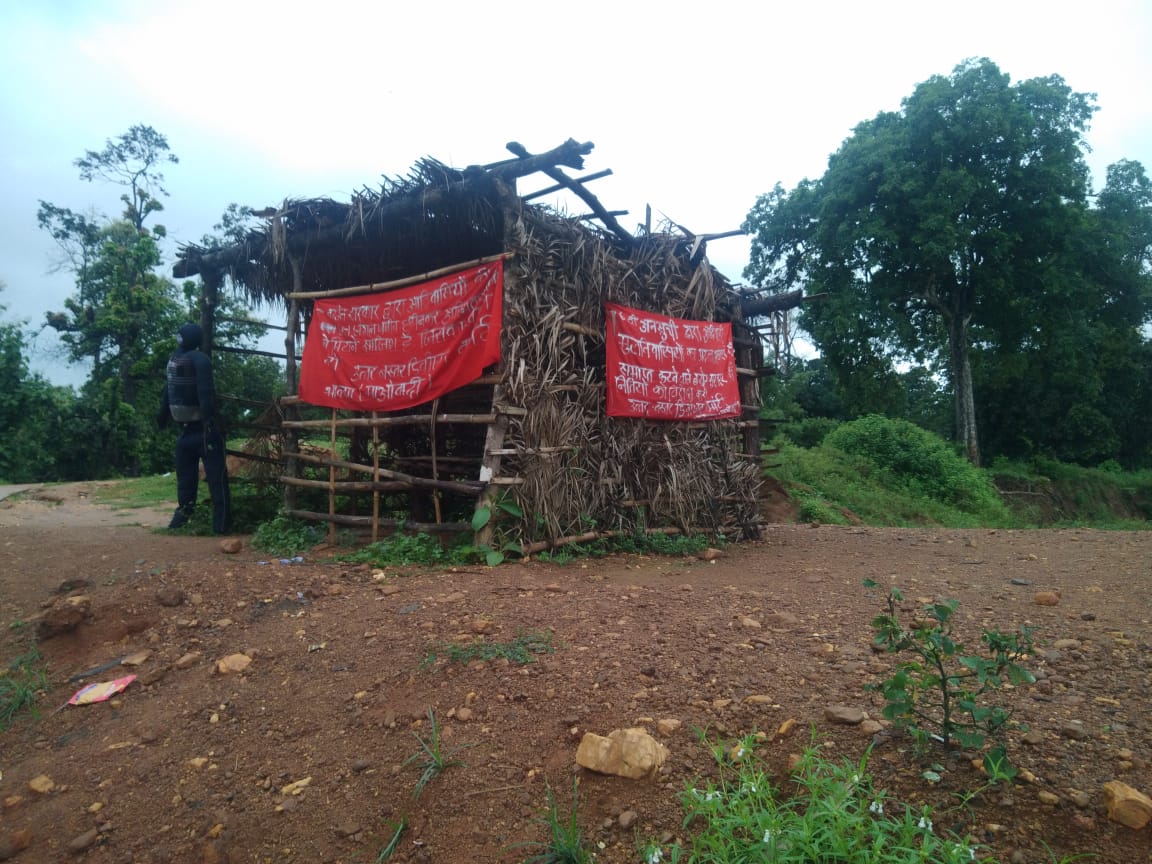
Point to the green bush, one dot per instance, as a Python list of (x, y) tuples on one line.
[(809, 432), (920, 462)]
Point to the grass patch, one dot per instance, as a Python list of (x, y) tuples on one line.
[(133, 493), (831, 813), (401, 550), (21, 682), (638, 543), (521, 650)]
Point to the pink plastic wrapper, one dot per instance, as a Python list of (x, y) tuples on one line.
[(100, 691)]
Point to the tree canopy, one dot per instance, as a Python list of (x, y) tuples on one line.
[(957, 233)]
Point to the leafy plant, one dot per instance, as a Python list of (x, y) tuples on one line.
[(283, 535), (832, 814), (940, 694), (432, 758), (481, 517), (20, 683), (401, 550), (520, 650), (565, 844)]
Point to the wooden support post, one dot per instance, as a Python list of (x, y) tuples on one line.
[(332, 484), (435, 471), (490, 466), (375, 479)]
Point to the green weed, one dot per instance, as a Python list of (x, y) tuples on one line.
[(390, 848), (565, 843), (832, 813), (21, 682), (432, 759), (284, 536), (521, 650)]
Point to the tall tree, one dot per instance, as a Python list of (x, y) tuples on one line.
[(122, 306), (928, 221)]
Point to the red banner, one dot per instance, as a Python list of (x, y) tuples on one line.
[(666, 368), (385, 352)]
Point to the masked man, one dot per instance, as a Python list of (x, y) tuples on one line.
[(190, 402)]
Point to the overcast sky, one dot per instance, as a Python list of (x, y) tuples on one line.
[(697, 108)]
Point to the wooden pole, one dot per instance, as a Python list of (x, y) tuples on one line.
[(435, 472), (332, 484), (375, 479), (398, 283)]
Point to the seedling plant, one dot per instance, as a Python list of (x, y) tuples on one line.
[(941, 693), (432, 759)]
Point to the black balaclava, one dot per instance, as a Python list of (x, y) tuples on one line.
[(190, 337)]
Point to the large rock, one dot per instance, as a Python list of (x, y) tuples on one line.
[(631, 753), (63, 616), (1126, 805)]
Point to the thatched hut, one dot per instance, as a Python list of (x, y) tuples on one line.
[(528, 444)]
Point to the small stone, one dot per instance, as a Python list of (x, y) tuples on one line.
[(83, 842), (41, 784), (361, 764), (709, 554), (1081, 799), (668, 726), (1046, 797), (1074, 729), (233, 664), (231, 545), (758, 699), (843, 715), (14, 844), (749, 623), (349, 829), (871, 727), (1087, 616), (137, 658), (187, 661), (786, 728), (1033, 737), (1047, 598), (1066, 644), (482, 626), (170, 595), (463, 714), (627, 819)]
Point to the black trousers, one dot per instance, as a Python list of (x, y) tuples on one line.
[(197, 443)]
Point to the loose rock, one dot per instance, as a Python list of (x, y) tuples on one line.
[(1047, 598), (83, 842), (1126, 805), (170, 595), (631, 753), (843, 715), (231, 545)]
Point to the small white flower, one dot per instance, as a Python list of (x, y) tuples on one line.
[(876, 807), (855, 778), (925, 824), (768, 836), (712, 796), (654, 856)]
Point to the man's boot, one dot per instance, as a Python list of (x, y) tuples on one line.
[(180, 517)]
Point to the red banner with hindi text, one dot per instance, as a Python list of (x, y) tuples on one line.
[(666, 368), (386, 352)]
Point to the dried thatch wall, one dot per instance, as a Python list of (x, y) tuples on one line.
[(596, 471)]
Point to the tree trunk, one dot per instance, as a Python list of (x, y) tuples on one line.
[(960, 370)]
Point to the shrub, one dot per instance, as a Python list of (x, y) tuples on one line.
[(919, 461)]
